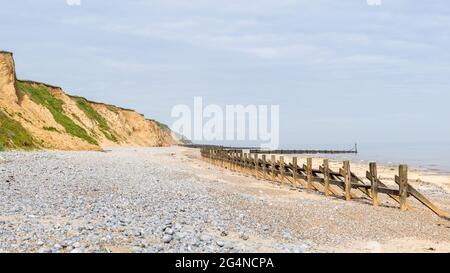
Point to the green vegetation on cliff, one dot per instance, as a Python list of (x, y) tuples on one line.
[(13, 135), (162, 126), (50, 129), (166, 128), (41, 95), (84, 106)]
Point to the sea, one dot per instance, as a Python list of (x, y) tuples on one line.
[(431, 156)]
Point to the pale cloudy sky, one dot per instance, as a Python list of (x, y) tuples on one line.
[(341, 71)]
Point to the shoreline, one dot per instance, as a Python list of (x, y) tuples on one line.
[(423, 167)]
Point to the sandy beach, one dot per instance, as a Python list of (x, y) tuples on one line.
[(170, 200)]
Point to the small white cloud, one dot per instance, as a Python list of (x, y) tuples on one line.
[(73, 2), (374, 2)]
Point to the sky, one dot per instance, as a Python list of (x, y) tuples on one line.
[(342, 71)]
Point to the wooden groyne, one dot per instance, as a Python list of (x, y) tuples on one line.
[(298, 152), (203, 146), (254, 150), (341, 183)]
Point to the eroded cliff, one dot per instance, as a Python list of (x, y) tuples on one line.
[(38, 115)]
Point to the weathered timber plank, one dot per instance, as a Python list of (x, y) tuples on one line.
[(309, 173), (403, 186), (326, 176), (422, 199), (374, 182)]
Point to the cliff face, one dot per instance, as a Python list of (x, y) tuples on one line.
[(37, 115), (7, 78)]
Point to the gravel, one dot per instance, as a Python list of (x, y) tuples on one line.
[(165, 200)]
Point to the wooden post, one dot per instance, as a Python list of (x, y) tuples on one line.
[(326, 176), (245, 163), (309, 174), (264, 166), (225, 159), (374, 182), (222, 158), (239, 162), (273, 169), (295, 172), (233, 161), (403, 184), (236, 162), (256, 165), (249, 164), (347, 180), (282, 170), (216, 157), (252, 164), (233, 157)]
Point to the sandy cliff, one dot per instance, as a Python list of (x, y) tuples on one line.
[(37, 115)]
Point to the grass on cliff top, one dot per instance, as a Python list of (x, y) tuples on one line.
[(166, 128), (84, 106), (41, 95), (112, 109), (162, 126), (13, 135)]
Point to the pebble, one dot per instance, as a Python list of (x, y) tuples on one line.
[(44, 250), (205, 238), (243, 236), (76, 245), (77, 250), (167, 239), (169, 231)]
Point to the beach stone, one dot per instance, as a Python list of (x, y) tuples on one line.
[(167, 239), (77, 251), (169, 231), (243, 236), (44, 250), (205, 238)]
